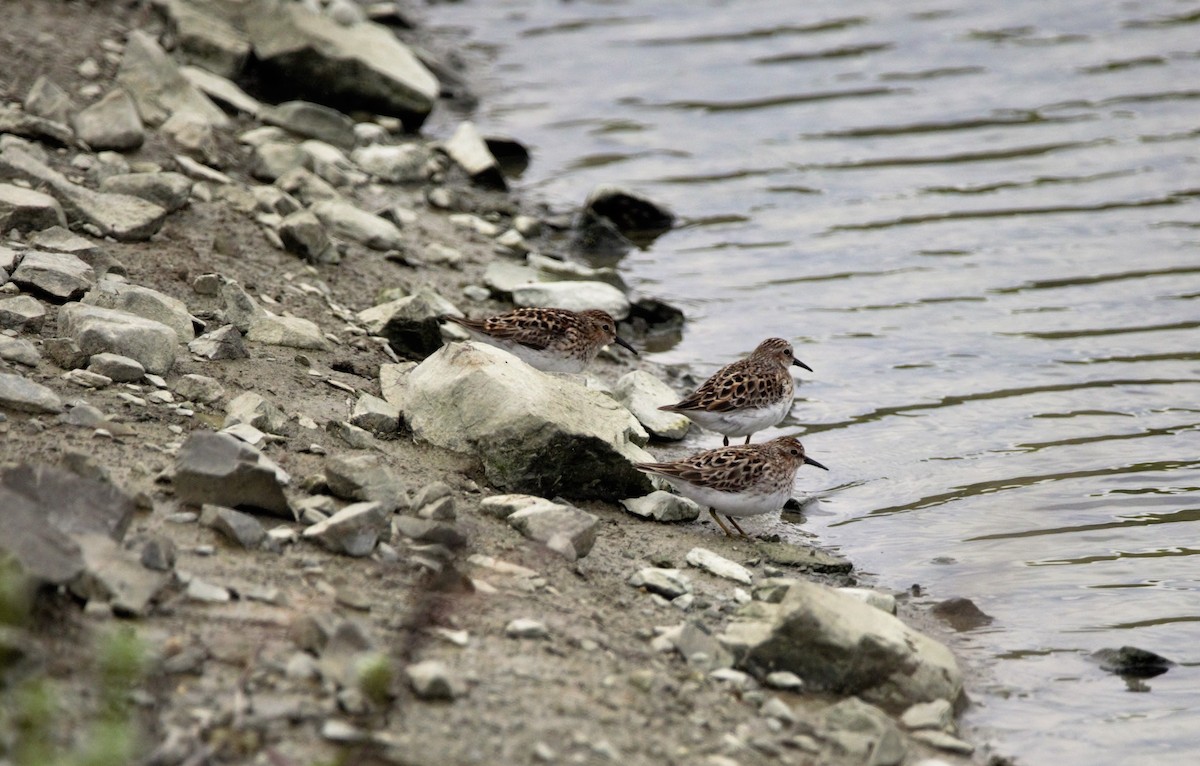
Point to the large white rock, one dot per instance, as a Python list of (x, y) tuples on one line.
[(97, 330), (839, 644), (349, 222), (533, 432), (576, 296), (643, 394)]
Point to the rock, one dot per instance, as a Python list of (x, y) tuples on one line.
[(576, 296), (122, 217), (16, 122), (28, 210), (354, 530), (432, 680), (41, 550), (159, 554), (504, 276), (1132, 661), (467, 148), (883, 601), (713, 563), (46, 99), (306, 186), (841, 645), (241, 528), (803, 557), (533, 432), (633, 215), (365, 477), (364, 67), (222, 343), (864, 731), (352, 435), (662, 506), (782, 679), (199, 388), (112, 123), (58, 276), (200, 171), (21, 313), (643, 394), (375, 415), (668, 583), (207, 592), (410, 324), (429, 531), (430, 494), (303, 235), (938, 714), (961, 614), (19, 394), (193, 134), (393, 379), (206, 39), (555, 270), (293, 332), (331, 164), (59, 240), (65, 353), (273, 159), (406, 163), (697, 646), (170, 191), (564, 529), (113, 575), (219, 469), (525, 627), (120, 369), (942, 741), (349, 222), (98, 330), (253, 409), (271, 199), (145, 303), (221, 90), (157, 86), (312, 121), (19, 351)]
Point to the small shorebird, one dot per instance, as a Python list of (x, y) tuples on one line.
[(552, 340), (746, 396), (745, 480)]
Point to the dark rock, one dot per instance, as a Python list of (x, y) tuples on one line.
[(511, 154), (961, 614), (312, 121), (242, 528), (429, 531), (303, 234), (219, 469), (1133, 662), (598, 240), (159, 554), (635, 216)]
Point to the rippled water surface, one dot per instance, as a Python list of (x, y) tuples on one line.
[(979, 222)]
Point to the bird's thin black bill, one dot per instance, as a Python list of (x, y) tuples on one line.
[(798, 363), (625, 343), (810, 461)]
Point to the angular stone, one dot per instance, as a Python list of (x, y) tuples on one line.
[(157, 87), (631, 213), (346, 220), (533, 432), (310, 120), (804, 557), (526, 627), (365, 477), (429, 531), (72, 503), (354, 530), (331, 163), (841, 645), (98, 330), (112, 575), (199, 388), (58, 276), (643, 394), (864, 731), (406, 163), (293, 332), (274, 159), (44, 552), (503, 276), (254, 409), (668, 583), (303, 235), (120, 369), (20, 394), (393, 378), (564, 529), (938, 714), (46, 99), (223, 343), (28, 210), (882, 601), (112, 123), (206, 39), (221, 90), (305, 186), (662, 506), (170, 191), (219, 469), (961, 613), (718, 565), (468, 149), (143, 302), (432, 680), (375, 415), (19, 351), (410, 324), (241, 528), (15, 121), (66, 353), (576, 296), (159, 554)]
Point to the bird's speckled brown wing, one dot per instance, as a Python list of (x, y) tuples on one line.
[(736, 386), (728, 470), (536, 328)]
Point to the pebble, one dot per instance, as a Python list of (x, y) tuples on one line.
[(524, 627), (713, 563)]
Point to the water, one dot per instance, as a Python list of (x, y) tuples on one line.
[(979, 223)]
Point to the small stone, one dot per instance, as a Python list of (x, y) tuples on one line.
[(943, 741), (718, 565), (779, 710), (524, 627), (118, 368), (883, 601), (354, 530), (57, 276), (111, 123), (23, 395), (21, 313), (19, 351), (432, 680), (668, 583), (375, 415), (199, 388), (159, 554), (241, 528), (222, 343), (938, 714), (28, 210), (663, 506), (961, 614), (785, 680), (201, 590)]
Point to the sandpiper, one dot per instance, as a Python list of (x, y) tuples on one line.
[(746, 396), (745, 480), (552, 340)]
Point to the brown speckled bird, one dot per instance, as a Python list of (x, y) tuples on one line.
[(552, 340)]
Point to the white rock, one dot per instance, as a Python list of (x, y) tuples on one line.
[(883, 601), (662, 506), (714, 563), (643, 394), (349, 222), (97, 330), (525, 627)]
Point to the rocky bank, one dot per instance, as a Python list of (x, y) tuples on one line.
[(233, 432)]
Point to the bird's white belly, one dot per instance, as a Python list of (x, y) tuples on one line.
[(742, 422), (750, 503)]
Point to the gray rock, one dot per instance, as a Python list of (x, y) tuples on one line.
[(429, 531), (303, 235), (113, 575), (120, 369), (273, 159), (631, 213), (159, 554), (15, 121), (19, 351), (393, 380), (66, 353), (504, 276), (28, 210), (431, 493), (20, 394), (441, 509), (576, 296), (839, 644), (157, 86), (347, 221), (199, 388), (111, 123), (375, 415), (125, 218), (200, 171), (468, 149), (943, 741), (804, 557), (221, 90), (332, 164), (883, 601), (206, 39), (58, 276), (364, 65), (43, 551), (662, 506), (526, 627), (311, 120), (46, 99), (554, 270), (98, 330), (292, 332), (410, 324), (271, 199), (170, 191), (143, 302), (219, 469), (503, 506), (432, 680), (59, 240), (533, 432), (192, 134), (1131, 661), (365, 477), (961, 613), (864, 731), (207, 592), (306, 186), (718, 565), (938, 714), (352, 435), (668, 583), (643, 394), (241, 528), (564, 529), (406, 163), (783, 679), (223, 343), (354, 530), (254, 409)]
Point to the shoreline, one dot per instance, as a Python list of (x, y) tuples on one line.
[(257, 643)]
